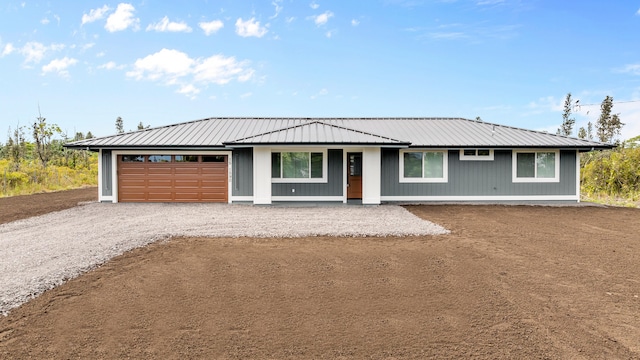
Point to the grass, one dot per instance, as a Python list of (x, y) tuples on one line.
[(30, 177), (628, 200)]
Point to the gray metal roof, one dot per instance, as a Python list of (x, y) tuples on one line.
[(415, 132), (317, 132)]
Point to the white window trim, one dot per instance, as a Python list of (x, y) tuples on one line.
[(325, 166), (445, 167), (514, 167), (476, 157)]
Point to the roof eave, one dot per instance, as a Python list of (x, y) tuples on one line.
[(146, 147), (386, 145)]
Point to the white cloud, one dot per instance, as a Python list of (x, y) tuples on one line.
[(220, 70), (548, 103), (291, 19), (330, 33), (33, 52), (100, 54), (322, 92), (8, 49), (355, 22), (111, 65), (122, 19), (165, 64), (250, 27), (94, 15), (322, 18), (175, 68), (314, 5), (246, 95), (631, 69), (189, 90), (278, 6), (638, 12), (448, 35), (88, 46), (169, 26), (246, 76), (44, 21), (211, 27), (59, 66)]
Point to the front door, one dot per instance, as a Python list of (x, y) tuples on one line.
[(354, 176)]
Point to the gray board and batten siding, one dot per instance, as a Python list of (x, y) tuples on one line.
[(242, 172), (106, 176), (333, 186), (477, 178)]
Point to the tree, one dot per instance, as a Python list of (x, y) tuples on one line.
[(42, 135), (585, 133), (633, 143), (119, 125), (608, 126), (79, 136), (16, 146), (478, 118), (141, 126), (89, 135), (582, 133), (568, 122)]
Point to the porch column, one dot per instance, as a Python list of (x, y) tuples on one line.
[(261, 175), (371, 176)]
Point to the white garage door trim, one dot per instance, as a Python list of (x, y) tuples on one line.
[(116, 153)]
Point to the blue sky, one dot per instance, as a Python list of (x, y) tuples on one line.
[(161, 62)]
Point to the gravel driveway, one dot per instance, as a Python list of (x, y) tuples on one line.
[(42, 252)]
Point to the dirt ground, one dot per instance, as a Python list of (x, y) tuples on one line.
[(509, 282), (21, 207)]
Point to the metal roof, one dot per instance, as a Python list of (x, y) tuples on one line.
[(415, 132), (317, 132)]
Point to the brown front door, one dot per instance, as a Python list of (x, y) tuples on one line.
[(354, 176)]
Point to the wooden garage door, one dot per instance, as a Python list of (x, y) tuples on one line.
[(172, 178)]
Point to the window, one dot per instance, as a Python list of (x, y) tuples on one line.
[(214, 158), (476, 154), (186, 158), (536, 166), (298, 166), (423, 166), (159, 158), (132, 158)]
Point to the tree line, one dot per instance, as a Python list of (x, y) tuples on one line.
[(33, 158), (607, 127), (45, 147), (608, 175)]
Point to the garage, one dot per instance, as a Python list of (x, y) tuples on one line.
[(173, 178)]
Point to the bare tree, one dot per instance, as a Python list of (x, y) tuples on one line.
[(16, 146), (119, 125), (567, 121), (608, 125), (42, 135)]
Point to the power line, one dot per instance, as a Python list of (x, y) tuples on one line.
[(615, 102)]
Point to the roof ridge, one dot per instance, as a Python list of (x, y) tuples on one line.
[(363, 132), (310, 122)]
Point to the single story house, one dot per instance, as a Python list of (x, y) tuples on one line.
[(372, 160)]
